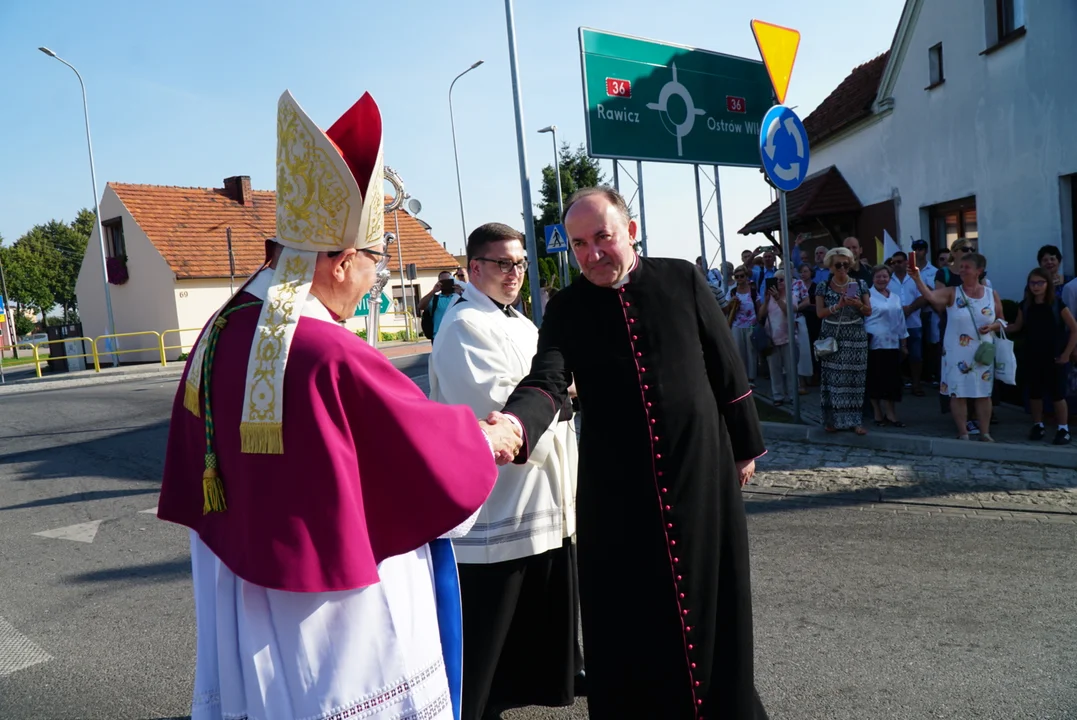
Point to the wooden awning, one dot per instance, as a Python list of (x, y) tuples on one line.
[(822, 194)]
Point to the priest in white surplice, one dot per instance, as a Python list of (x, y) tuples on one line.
[(517, 564)]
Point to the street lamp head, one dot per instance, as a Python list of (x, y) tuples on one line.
[(549, 128), (48, 52), (480, 62)]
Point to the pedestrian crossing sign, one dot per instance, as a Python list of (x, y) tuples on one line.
[(555, 238)]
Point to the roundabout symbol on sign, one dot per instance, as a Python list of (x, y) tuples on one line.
[(680, 130), (786, 163)]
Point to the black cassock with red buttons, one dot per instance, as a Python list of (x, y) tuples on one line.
[(661, 534)]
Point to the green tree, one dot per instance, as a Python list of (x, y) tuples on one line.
[(578, 170), (70, 242), (30, 265), (84, 222)]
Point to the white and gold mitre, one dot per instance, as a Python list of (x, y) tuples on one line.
[(330, 197), (330, 192)]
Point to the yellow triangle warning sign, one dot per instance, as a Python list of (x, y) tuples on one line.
[(778, 46)]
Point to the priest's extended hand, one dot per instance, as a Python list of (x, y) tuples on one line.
[(504, 437)]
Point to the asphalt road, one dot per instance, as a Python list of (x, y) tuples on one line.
[(859, 613)]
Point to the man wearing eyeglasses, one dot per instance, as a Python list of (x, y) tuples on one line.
[(517, 564)]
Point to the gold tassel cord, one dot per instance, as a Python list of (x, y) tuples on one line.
[(212, 487), (262, 438), (212, 483)]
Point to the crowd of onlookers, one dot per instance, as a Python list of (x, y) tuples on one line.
[(866, 335)]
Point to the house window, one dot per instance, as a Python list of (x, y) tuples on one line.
[(114, 244), (934, 57), (399, 294), (951, 221), (1005, 20), (1011, 16)]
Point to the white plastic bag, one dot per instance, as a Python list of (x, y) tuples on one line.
[(1005, 360)]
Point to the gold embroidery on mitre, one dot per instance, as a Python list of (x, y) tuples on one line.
[(375, 231), (316, 193), (261, 431)]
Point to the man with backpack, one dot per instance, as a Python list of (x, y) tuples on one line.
[(715, 281), (433, 305)]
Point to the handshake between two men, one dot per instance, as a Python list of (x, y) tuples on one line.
[(504, 436)]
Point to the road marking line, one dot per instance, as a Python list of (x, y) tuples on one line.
[(151, 510), (83, 532), (17, 651)]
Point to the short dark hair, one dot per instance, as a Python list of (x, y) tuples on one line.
[(483, 235), (1048, 250), (615, 198), (902, 253)]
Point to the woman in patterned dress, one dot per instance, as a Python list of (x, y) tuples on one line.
[(841, 304), (973, 313)]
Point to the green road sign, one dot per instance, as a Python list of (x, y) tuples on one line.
[(364, 305), (654, 101)]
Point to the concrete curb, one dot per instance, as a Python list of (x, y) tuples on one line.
[(876, 497), (925, 446)]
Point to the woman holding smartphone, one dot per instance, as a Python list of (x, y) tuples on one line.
[(842, 303)]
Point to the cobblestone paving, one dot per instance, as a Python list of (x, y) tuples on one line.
[(858, 475)]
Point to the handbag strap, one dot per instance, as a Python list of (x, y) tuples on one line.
[(968, 306)]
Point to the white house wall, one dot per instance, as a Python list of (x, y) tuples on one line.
[(141, 304), (999, 128)]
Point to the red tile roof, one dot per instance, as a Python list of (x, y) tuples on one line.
[(188, 227), (850, 101), (821, 194)]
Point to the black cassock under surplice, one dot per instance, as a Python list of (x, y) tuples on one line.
[(661, 533)]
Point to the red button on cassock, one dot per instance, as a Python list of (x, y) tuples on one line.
[(635, 338), (699, 702), (652, 421), (639, 354), (632, 321), (673, 542), (688, 628), (691, 647), (678, 578), (628, 304), (682, 597), (646, 387), (643, 369), (669, 526), (622, 289), (648, 404), (694, 667), (668, 508), (659, 472), (684, 612), (665, 490), (676, 560), (658, 456), (697, 685), (656, 438)]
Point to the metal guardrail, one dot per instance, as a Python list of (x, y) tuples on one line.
[(159, 346), (93, 353), (162, 347)]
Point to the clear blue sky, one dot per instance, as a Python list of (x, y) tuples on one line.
[(185, 93)]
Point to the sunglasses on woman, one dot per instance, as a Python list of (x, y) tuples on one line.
[(841, 266)]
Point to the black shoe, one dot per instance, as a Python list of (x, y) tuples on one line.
[(1062, 437), (1038, 433), (580, 684)]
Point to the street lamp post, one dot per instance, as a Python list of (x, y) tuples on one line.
[(562, 265), (452, 123), (525, 180), (111, 326)]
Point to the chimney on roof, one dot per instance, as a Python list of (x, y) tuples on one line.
[(238, 188)]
